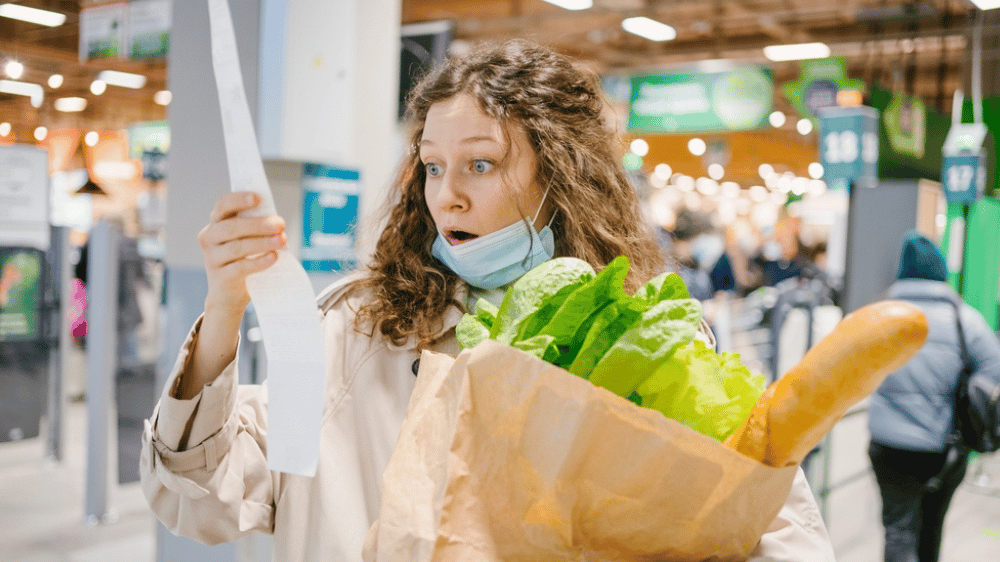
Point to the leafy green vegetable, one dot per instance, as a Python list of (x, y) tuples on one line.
[(661, 330), (641, 347), (666, 286), (578, 305), (552, 280), (703, 390)]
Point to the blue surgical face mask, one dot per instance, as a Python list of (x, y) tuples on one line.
[(498, 258)]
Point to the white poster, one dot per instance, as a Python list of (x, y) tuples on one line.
[(24, 196), (102, 32), (148, 29)]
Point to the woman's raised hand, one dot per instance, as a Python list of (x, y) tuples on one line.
[(235, 246)]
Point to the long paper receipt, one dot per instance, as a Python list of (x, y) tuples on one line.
[(282, 295)]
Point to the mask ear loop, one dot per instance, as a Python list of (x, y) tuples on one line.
[(539, 210)]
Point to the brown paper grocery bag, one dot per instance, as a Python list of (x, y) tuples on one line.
[(505, 457)]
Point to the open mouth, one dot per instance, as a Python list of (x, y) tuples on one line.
[(456, 237)]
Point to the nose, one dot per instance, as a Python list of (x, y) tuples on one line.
[(451, 196)]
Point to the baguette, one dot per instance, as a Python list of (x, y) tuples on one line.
[(796, 411)]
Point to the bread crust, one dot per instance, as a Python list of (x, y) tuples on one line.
[(797, 410)]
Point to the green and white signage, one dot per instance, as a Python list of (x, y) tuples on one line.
[(964, 165), (737, 99), (848, 147), (20, 294), (906, 125), (149, 29), (820, 80), (102, 32)]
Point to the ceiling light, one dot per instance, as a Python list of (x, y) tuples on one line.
[(70, 105), (730, 189), (41, 133), (97, 87), (4, 129), (663, 170), (123, 79), (697, 146), (986, 4), (163, 97), (572, 4), (32, 15), (650, 29), (34, 91), (804, 126), (14, 69), (758, 193), (640, 147), (777, 119), (800, 51), (91, 138), (55, 81)]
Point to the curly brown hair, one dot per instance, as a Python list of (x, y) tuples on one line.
[(559, 106)]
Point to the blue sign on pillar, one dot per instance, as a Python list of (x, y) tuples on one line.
[(330, 204), (848, 146), (964, 168)]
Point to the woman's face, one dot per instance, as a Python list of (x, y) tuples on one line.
[(475, 183)]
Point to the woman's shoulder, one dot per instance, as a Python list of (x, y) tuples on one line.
[(349, 290)]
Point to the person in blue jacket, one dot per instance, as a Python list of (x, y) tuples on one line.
[(911, 415)]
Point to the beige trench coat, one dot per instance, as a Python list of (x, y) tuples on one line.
[(205, 474)]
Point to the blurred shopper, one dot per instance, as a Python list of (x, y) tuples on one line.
[(688, 227), (509, 155), (781, 257), (911, 414)]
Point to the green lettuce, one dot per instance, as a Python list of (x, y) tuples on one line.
[(640, 346)]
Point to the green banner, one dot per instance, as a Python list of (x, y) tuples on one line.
[(737, 99), (20, 294), (905, 121), (899, 149)]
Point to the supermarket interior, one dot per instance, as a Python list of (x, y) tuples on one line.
[(782, 153)]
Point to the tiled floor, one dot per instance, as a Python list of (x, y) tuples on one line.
[(42, 505)]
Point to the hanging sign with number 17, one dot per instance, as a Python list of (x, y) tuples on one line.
[(963, 167), (848, 146)]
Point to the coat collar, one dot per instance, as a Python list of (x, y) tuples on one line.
[(922, 288)]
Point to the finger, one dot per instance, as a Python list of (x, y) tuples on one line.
[(231, 204), (236, 250), (240, 227), (241, 268)]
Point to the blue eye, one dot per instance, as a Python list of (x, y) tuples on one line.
[(482, 166), (433, 169)]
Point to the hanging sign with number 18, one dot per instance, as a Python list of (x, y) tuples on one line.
[(848, 146)]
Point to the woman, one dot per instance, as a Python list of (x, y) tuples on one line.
[(510, 165), (911, 414)]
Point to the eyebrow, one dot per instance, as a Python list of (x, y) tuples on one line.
[(468, 140)]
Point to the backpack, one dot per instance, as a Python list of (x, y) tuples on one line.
[(977, 404), (977, 414)]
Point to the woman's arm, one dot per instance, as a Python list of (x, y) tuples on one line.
[(233, 247), (797, 534)]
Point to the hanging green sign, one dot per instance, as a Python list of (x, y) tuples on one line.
[(820, 80), (20, 294), (905, 122), (966, 163), (733, 100)]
